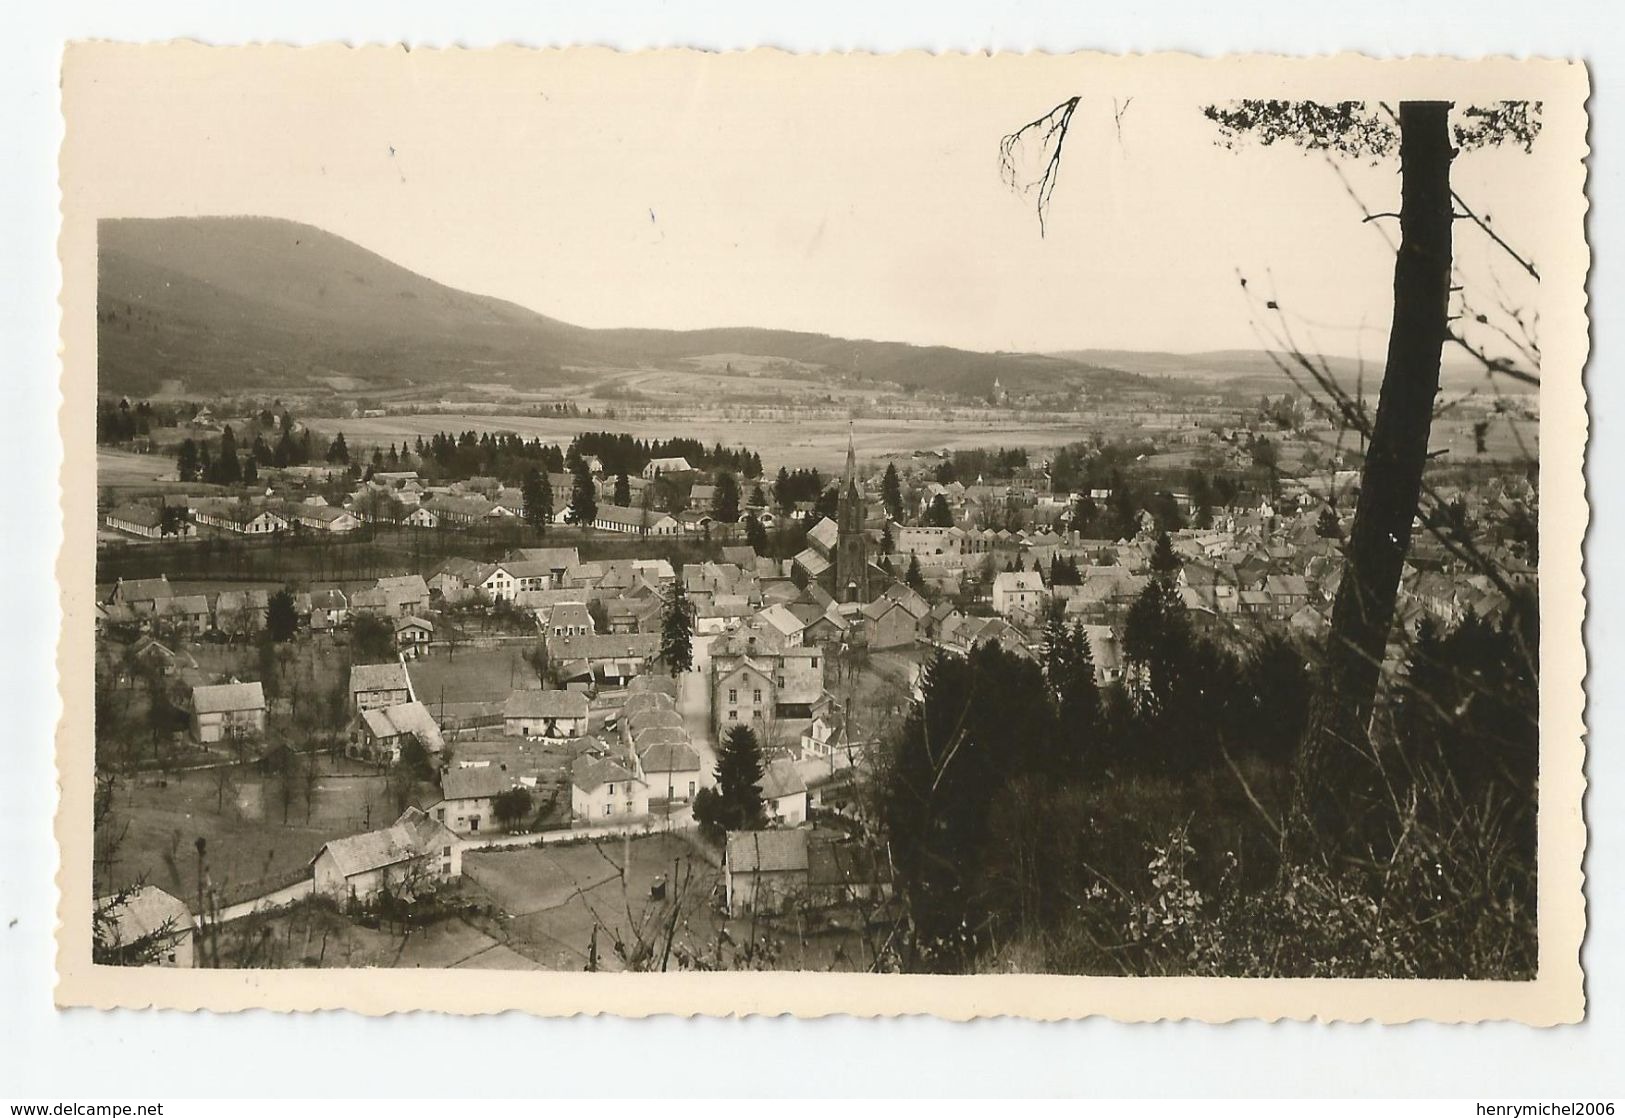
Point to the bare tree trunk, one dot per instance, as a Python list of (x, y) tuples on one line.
[(1336, 737)]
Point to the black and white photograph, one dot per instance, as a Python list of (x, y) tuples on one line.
[(847, 519)]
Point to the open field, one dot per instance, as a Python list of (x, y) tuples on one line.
[(794, 442), (120, 468), (161, 817), (308, 935), (555, 895), (471, 675)]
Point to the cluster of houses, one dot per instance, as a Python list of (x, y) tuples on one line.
[(156, 608)]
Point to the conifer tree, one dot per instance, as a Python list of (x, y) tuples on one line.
[(583, 508), (739, 780), (891, 492), (538, 498), (727, 507), (677, 630)]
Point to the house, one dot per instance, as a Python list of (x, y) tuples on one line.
[(381, 732), (764, 870), (183, 614), (672, 770), (407, 594), (455, 579), (742, 693), (411, 856), (702, 498), (468, 794), (412, 636), (380, 685), (603, 790), (555, 560), (225, 711), (240, 612), (157, 656), (613, 659), (676, 468), (784, 793), (570, 619), (139, 594), (148, 927), (421, 517), (785, 625), (887, 623), (1018, 592), (328, 609), (545, 714)]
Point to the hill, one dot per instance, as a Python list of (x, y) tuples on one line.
[(1256, 371), (245, 304)]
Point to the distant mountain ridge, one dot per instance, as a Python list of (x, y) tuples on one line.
[(1254, 370), (241, 304)]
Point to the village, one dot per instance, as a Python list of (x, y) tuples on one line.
[(503, 748)]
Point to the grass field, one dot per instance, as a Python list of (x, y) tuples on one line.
[(471, 675), (554, 896), (161, 817)]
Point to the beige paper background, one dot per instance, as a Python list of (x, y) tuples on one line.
[(99, 77)]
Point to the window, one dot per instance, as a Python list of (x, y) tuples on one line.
[(733, 716), (733, 694), (756, 696), (691, 789), (446, 851), (815, 661), (612, 789), (609, 809), (473, 822)]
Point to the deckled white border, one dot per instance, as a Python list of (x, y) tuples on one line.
[(1555, 997)]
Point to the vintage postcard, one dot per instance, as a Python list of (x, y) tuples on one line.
[(676, 532)]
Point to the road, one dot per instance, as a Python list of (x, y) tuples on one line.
[(694, 704)]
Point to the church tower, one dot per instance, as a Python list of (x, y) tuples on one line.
[(851, 546)]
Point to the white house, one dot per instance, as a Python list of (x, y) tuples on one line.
[(605, 791), (1015, 591), (784, 793)]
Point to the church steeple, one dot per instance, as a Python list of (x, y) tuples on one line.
[(851, 547)]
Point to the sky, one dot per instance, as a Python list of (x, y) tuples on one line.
[(851, 195)]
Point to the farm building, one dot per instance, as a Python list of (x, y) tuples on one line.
[(412, 855), (545, 714), (764, 870)]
